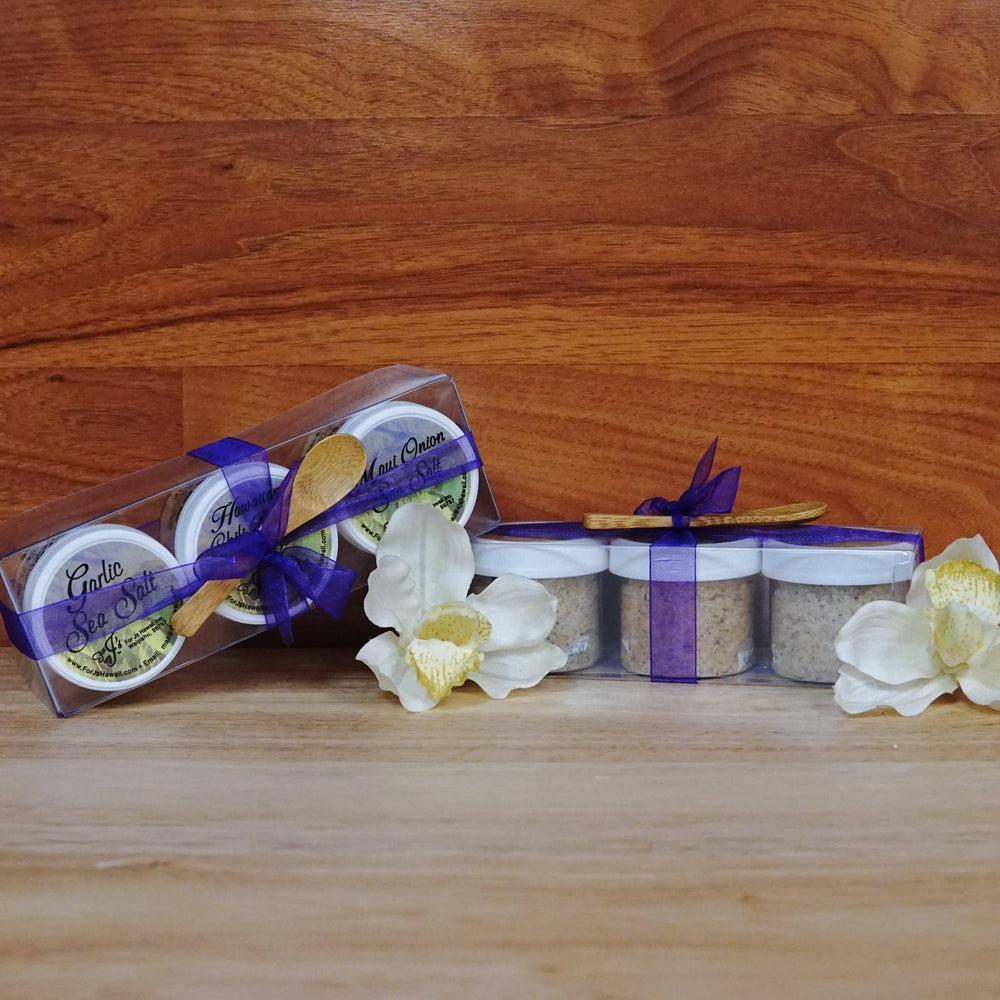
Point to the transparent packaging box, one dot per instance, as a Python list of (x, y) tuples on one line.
[(748, 607), (77, 575)]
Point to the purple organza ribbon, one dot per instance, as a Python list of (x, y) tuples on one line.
[(704, 496), (673, 569), (289, 577)]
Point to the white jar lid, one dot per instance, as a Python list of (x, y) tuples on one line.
[(714, 560), (838, 566), (398, 432), (539, 558), (90, 558), (209, 518)]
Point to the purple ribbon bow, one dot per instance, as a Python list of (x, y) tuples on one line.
[(704, 496), (290, 575)]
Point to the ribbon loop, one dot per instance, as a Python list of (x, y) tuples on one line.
[(704, 496)]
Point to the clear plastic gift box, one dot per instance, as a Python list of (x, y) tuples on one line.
[(743, 606), (88, 583)]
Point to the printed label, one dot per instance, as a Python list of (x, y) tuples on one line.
[(139, 643), (399, 442)]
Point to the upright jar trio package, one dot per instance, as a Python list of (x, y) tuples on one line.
[(752, 609)]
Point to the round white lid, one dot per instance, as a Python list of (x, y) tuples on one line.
[(539, 559), (394, 433), (714, 560), (837, 565), (210, 494), (134, 552)]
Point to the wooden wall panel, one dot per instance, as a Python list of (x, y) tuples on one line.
[(65, 429), (764, 239), (92, 61), (624, 227), (892, 444)]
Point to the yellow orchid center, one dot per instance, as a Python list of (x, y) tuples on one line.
[(965, 601), (445, 647), (964, 582)]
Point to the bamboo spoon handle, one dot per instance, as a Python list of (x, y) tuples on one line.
[(330, 470), (190, 617), (791, 513)]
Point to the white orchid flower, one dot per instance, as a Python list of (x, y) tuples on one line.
[(442, 635), (945, 636)]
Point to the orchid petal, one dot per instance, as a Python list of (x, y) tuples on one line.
[(974, 549), (890, 642), (436, 549), (958, 634), (981, 681), (856, 692), (520, 611), (383, 656), (392, 600), (503, 671)]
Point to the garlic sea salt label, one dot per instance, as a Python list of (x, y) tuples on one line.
[(121, 562)]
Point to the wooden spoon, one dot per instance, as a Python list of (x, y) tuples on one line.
[(330, 470), (792, 513)]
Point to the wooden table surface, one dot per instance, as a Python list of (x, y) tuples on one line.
[(268, 824)]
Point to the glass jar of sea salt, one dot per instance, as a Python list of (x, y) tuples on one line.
[(814, 591), (726, 585), (571, 569)]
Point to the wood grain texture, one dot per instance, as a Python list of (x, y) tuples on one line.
[(623, 227), (880, 444), (265, 824), (64, 429), (279, 60), (757, 239)]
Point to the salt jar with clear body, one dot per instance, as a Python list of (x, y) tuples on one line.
[(814, 590), (571, 569), (726, 587)]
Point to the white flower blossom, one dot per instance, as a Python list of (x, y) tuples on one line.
[(945, 637), (442, 635)]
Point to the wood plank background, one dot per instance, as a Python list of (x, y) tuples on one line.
[(624, 227)]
